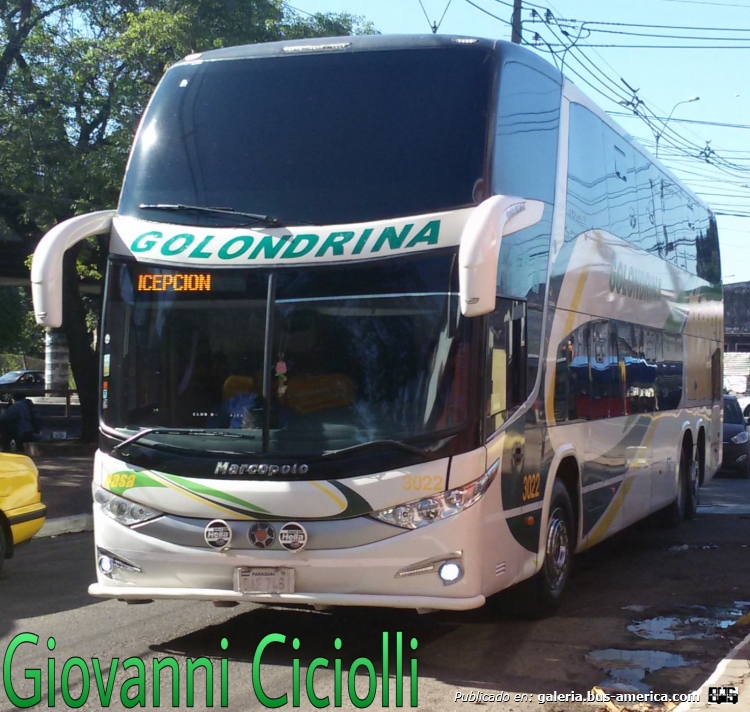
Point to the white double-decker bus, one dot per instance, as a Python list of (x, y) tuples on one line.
[(390, 321)]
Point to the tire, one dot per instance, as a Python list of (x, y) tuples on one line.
[(677, 512), (541, 595)]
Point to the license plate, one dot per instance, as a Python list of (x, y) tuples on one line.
[(264, 580)]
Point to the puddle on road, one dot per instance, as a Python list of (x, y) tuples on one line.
[(696, 622), (626, 669)]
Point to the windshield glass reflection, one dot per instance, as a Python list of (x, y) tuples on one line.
[(357, 354)]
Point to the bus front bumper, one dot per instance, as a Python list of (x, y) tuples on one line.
[(378, 574), (138, 593)]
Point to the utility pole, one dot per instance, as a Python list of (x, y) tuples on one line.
[(516, 23)]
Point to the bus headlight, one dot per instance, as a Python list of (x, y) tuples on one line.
[(123, 511), (422, 512), (740, 438)]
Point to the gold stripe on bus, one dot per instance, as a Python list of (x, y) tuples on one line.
[(341, 503), (599, 532)]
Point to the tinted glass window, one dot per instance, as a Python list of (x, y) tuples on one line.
[(587, 174), (669, 373), (647, 181), (358, 353), (573, 377), (687, 251), (637, 355), (324, 139), (622, 195), (732, 412), (707, 251), (528, 120)]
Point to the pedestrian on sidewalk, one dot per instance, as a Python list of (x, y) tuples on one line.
[(19, 424)]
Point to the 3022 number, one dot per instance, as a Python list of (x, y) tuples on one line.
[(531, 484), (423, 483)]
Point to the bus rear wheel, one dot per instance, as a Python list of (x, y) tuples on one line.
[(692, 470), (685, 503), (543, 592)]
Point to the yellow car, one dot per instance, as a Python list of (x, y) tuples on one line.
[(21, 510)]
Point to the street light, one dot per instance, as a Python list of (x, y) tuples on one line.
[(659, 134)]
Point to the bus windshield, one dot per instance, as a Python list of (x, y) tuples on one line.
[(319, 139), (356, 354)]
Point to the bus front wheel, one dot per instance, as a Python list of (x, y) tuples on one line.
[(543, 592)]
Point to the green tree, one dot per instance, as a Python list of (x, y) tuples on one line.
[(19, 334), (75, 76)]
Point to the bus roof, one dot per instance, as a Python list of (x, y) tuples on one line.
[(375, 43)]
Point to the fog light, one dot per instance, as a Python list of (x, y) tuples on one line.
[(106, 565), (450, 572)]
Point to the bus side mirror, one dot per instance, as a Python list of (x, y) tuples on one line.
[(47, 264), (480, 247)]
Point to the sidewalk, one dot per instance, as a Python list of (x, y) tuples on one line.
[(65, 473)]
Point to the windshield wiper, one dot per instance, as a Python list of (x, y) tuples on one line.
[(256, 218), (178, 431), (385, 444)]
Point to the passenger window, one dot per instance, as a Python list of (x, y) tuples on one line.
[(622, 196), (637, 359), (708, 266), (572, 377), (587, 174), (669, 373), (606, 379), (528, 120), (647, 186)]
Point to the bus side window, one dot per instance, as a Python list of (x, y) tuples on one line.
[(506, 361), (607, 377), (636, 347), (669, 374), (573, 377), (587, 174)]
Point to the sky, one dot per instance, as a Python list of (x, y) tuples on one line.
[(712, 160)]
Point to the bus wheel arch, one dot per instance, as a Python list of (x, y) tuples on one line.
[(541, 595), (569, 473)]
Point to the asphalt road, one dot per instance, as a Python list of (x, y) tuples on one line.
[(651, 608)]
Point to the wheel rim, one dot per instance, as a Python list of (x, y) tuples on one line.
[(558, 549)]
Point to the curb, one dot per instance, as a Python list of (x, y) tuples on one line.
[(731, 671), (723, 509), (66, 525)]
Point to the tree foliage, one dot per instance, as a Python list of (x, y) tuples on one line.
[(75, 77)]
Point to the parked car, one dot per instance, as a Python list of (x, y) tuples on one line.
[(736, 446), (22, 513), (30, 383)]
